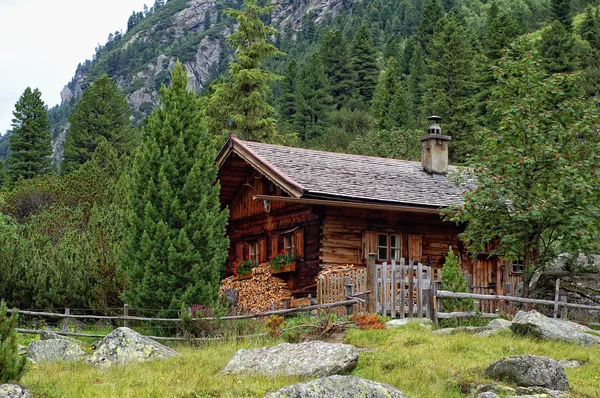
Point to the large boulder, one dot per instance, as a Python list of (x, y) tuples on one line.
[(13, 391), (310, 359), (55, 350), (535, 324), (530, 371), (123, 346), (338, 387)]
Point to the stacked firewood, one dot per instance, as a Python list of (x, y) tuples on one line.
[(337, 269), (260, 293)]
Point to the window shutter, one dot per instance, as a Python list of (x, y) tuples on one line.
[(262, 250), (369, 243), (246, 251), (239, 251), (415, 247), (299, 243), (274, 245)]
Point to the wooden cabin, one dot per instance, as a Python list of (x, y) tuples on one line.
[(329, 208)]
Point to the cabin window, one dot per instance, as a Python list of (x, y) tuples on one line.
[(289, 244), (254, 252), (518, 266), (389, 247)]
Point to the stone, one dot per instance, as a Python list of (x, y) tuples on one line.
[(499, 324), (535, 324), (461, 329), (394, 323), (14, 391), (124, 345), (55, 350), (540, 392), (309, 359), (488, 394), (338, 387), (48, 335), (569, 363), (530, 371)]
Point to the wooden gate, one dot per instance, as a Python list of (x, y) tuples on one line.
[(402, 290), (331, 288)]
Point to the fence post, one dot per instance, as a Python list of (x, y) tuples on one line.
[(564, 310), (349, 294), (372, 282), (419, 290), (402, 289), (65, 325), (393, 290), (411, 286), (126, 313), (433, 303), (556, 298)]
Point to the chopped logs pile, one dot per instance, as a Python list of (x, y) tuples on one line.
[(337, 269), (257, 293)]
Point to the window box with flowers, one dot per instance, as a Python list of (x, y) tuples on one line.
[(243, 269), (282, 262)]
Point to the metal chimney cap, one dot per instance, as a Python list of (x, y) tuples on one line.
[(434, 118)]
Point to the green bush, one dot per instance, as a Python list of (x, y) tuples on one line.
[(12, 365), (453, 279)]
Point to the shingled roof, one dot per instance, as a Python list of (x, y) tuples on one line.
[(315, 174)]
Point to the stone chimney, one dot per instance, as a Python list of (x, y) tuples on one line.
[(434, 148)]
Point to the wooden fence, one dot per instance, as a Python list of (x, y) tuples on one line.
[(403, 290), (335, 287), (348, 304)]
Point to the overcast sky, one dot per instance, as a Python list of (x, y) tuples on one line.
[(42, 41)]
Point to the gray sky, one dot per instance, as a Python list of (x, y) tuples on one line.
[(42, 41)]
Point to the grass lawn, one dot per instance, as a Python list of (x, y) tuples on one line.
[(419, 363)]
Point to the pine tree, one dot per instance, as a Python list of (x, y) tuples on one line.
[(238, 105), (288, 100), (3, 174), (315, 104), (453, 279), (175, 245), (101, 112), (30, 141), (416, 84), (589, 30), (12, 365), (450, 84), (561, 11), (336, 64), (364, 64), (390, 103), (432, 14), (558, 49), (207, 20)]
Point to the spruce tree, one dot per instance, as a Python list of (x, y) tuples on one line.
[(450, 84), (589, 30), (364, 64), (239, 104), (30, 141), (335, 57), (416, 84), (12, 365), (558, 49), (561, 11), (288, 101), (390, 104), (453, 279), (431, 16), (315, 104), (101, 112), (175, 245), (3, 174)]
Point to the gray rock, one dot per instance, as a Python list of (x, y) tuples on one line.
[(48, 335), (535, 324), (530, 371), (499, 324), (55, 350), (569, 363), (394, 323), (14, 391), (123, 346), (310, 359), (541, 392), (461, 329), (338, 387), (488, 394)]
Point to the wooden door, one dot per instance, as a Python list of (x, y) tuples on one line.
[(415, 248)]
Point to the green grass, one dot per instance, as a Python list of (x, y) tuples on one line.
[(419, 363)]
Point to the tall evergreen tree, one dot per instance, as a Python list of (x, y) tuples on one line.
[(431, 16), (30, 141), (561, 11), (12, 365), (335, 57), (3, 174), (288, 100), (314, 101), (416, 84), (364, 64), (390, 104), (175, 245), (450, 84), (589, 30), (558, 49), (238, 104), (101, 112)]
